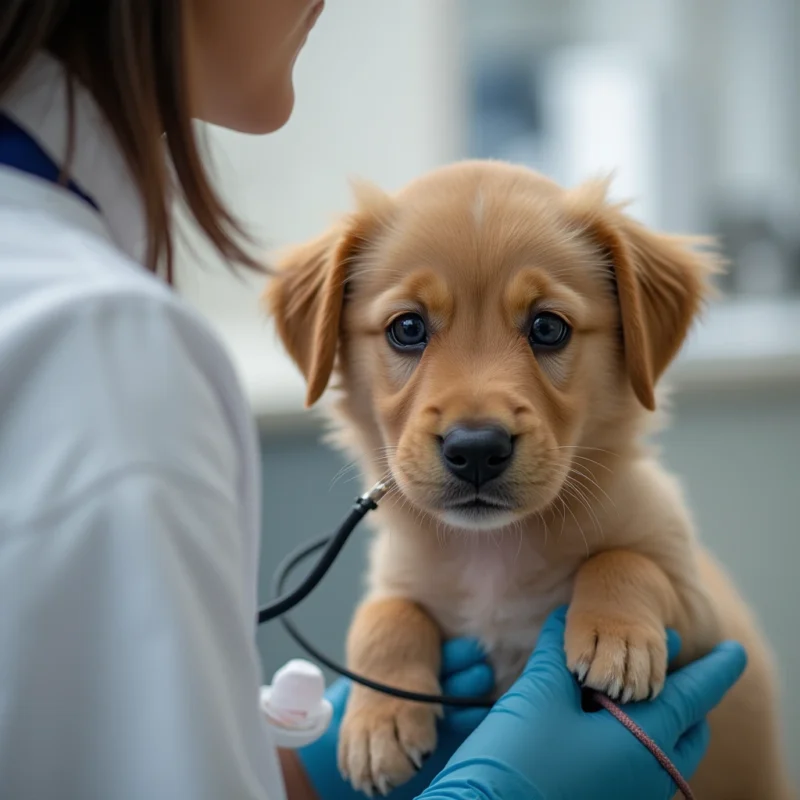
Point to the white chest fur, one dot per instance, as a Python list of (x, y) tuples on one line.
[(499, 590)]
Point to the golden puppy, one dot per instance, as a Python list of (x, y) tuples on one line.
[(496, 342)]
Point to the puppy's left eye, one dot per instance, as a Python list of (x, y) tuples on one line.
[(408, 332), (548, 331)]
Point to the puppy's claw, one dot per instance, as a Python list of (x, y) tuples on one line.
[(627, 695), (655, 690)]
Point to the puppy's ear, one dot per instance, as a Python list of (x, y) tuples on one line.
[(661, 282), (306, 295)]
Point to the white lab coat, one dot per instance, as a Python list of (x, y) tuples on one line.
[(129, 502)]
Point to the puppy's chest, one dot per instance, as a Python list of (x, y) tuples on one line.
[(502, 597)]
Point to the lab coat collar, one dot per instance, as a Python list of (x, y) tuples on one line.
[(38, 103)]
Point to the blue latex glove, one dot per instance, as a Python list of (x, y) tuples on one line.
[(538, 743), (465, 673)]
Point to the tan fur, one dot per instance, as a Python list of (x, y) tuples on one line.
[(591, 516)]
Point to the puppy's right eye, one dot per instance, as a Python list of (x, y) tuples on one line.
[(548, 331), (407, 333)]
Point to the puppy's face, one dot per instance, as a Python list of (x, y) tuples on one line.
[(487, 325), (479, 330)]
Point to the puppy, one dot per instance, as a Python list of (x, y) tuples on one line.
[(496, 342)]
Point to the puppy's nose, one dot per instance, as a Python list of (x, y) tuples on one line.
[(477, 455)]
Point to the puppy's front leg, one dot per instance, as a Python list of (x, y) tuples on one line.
[(615, 638), (383, 740)]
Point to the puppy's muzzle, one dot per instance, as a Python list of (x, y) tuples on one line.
[(477, 455)]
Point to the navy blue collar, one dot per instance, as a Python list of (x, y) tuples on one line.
[(21, 151)]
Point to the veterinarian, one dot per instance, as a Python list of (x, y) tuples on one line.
[(129, 485)]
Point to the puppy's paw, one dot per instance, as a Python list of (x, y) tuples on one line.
[(623, 658), (383, 742)]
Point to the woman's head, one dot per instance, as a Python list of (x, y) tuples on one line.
[(153, 66)]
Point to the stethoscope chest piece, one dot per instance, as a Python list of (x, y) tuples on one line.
[(295, 706)]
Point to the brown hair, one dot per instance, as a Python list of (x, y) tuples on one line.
[(130, 55)]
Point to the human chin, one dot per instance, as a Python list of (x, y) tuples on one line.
[(270, 110), (280, 109)]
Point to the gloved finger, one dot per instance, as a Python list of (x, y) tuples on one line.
[(551, 637), (673, 645), (460, 654), (691, 748), (464, 720), (548, 663), (476, 681), (694, 690), (697, 688), (337, 693)]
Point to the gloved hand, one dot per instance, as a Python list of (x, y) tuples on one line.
[(538, 743), (465, 673)]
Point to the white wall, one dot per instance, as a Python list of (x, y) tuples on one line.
[(376, 98)]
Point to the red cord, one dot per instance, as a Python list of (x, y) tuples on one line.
[(620, 715)]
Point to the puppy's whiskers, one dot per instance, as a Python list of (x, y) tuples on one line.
[(587, 448), (591, 482), (592, 462), (353, 466), (538, 515), (574, 491), (580, 527), (587, 481)]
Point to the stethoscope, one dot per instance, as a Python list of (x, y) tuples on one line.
[(331, 546), (294, 704)]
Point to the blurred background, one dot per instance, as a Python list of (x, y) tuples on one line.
[(696, 106)]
